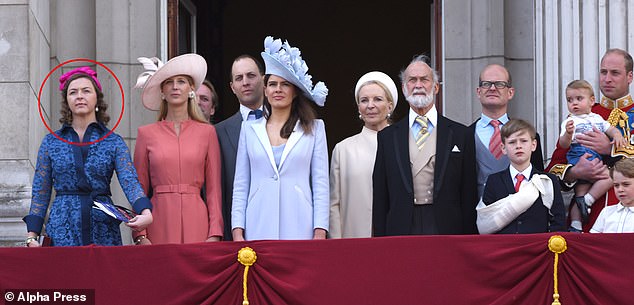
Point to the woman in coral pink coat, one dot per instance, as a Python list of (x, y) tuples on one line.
[(179, 155)]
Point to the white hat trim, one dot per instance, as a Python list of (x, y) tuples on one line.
[(381, 78)]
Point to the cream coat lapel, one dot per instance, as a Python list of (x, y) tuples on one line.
[(260, 131), (292, 140)]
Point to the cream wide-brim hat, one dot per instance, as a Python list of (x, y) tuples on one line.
[(191, 64)]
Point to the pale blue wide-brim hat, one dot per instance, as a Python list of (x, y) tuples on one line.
[(286, 62)]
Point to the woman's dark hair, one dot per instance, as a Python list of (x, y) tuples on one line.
[(67, 115), (301, 109)]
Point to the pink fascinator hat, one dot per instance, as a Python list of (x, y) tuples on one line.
[(82, 70)]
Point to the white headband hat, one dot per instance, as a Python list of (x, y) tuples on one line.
[(156, 72), (286, 62), (378, 77)]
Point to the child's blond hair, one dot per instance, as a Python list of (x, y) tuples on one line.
[(581, 84), (624, 166)]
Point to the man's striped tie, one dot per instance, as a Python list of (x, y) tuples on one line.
[(495, 144), (423, 133)]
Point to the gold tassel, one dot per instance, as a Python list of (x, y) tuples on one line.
[(247, 257), (557, 245)]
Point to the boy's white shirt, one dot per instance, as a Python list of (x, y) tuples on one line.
[(526, 173), (607, 223)]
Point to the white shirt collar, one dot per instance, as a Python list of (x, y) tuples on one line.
[(526, 172), (485, 120), (620, 207), (432, 116)]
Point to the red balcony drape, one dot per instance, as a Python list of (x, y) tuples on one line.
[(493, 269)]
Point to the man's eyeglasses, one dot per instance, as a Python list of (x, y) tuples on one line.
[(499, 84)]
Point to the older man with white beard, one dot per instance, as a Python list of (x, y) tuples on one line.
[(424, 173)]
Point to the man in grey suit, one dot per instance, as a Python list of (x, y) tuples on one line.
[(248, 85), (495, 91)]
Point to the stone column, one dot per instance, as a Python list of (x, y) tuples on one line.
[(571, 37), (24, 58), (127, 30), (478, 33), (37, 35)]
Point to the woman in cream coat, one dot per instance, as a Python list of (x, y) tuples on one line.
[(353, 159), (280, 189)]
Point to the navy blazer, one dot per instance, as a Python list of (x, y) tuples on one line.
[(228, 132), (455, 194), (537, 219)]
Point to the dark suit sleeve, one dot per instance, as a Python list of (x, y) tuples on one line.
[(469, 185), (557, 210), (226, 201), (489, 196), (537, 158), (227, 166), (379, 190)]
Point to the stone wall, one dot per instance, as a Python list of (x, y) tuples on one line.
[(24, 54), (37, 35)]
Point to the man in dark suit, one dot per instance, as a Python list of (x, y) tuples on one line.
[(424, 172), (495, 90), (247, 83)]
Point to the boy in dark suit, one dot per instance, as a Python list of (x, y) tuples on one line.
[(519, 199)]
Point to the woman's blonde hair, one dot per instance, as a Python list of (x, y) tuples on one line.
[(193, 110), (386, 91)]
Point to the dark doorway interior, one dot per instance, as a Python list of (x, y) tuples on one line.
[(340, 41)]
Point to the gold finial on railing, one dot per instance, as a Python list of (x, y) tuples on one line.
[(247, 257), (557, 245)]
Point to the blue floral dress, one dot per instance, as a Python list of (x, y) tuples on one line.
[(81, 174)]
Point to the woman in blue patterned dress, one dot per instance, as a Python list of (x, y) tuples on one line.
[(78, 162)]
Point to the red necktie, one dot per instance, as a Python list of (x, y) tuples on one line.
[(519, 179), (495, 144)]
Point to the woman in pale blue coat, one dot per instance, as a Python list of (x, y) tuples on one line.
[(281, 187)]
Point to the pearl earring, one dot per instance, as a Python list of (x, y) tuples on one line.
[(96, 109), (162, 97), (192, 94), (360, 117)]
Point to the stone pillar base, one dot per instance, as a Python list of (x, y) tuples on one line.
[(15, 200)]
